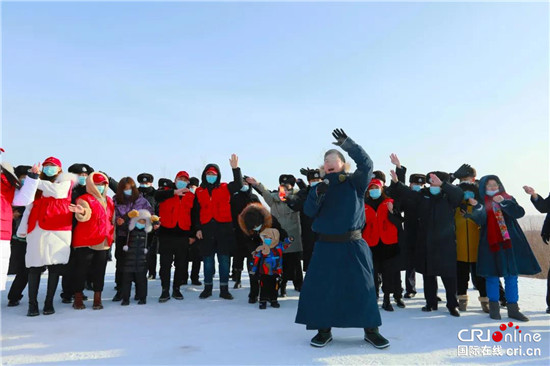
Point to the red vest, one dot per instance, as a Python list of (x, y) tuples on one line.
[(7, 192), (215, 207), (378, 226), (51, 214), (100, 225), (177, 211)]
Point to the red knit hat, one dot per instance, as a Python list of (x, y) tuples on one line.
[(212, 170), (376, 182), (52, 160), (99, 178), (183, 174)]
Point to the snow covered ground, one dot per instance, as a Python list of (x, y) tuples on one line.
[(221, 332)]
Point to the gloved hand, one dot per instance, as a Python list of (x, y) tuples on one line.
[(340, 136), (304, 171), (300, 183), (464, 171), (322, 188)]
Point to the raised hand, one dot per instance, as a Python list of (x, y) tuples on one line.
[(530, 191), (340, 136), (234, 161), (251, 181), (322, 188), (36, 168), (76, 209), (395, 160), (304, 171), (434, 180), (463, 171), (393, 175)]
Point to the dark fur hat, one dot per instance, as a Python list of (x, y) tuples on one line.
[(165, 183), (417, 179), (287, 179), (445, 177), (254, 215), (145, 178)]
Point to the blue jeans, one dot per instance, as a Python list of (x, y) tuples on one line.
[(209, 270), (510, 288)]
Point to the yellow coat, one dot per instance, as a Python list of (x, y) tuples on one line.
[(467, 237)]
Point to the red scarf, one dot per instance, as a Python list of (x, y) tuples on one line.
[(497, 232)]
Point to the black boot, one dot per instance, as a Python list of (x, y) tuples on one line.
[(196, 282), (323, 337), (275, 304), (375, 338), (207, 292), (53, 280), (118, 295), (283, 289), (252, 299), (176, 293), (429, 308), (34, 282), (224, 292), (263, 305), (237, 279), (454, 311), (386, 304), (399, 302), (165, 295)]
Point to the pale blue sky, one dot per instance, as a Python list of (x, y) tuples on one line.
[(133, 87)]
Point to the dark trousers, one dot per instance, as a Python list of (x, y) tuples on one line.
[(152, 249), (410, 280), (67, 281), (548, 289), (140, 278), (463, 270), (254, 279), (89, 261), (292, 269), (17, 262), (268, 288), (54, 271), (173, 250), (430, 290), (195, 270), (120, 242), (390, 278)]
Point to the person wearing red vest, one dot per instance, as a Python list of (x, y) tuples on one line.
[(12, 193), (92, 237), (47, 225), (215, 224), (176, 233), (383, 226)]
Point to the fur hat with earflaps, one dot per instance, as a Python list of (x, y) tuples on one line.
[(272, 234), (254, 216)]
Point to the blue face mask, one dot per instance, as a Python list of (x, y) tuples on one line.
[(127, 192), (82, 180), (468, 195), (142, 185), (245, 188), (101, 188), (211, 179), (491, 193), (313, 184), (22, 181), (267, 241), (49, 170), (375, 193), (416, 188), (181, 184), (435, 190), (257, 228), (140, 226), (192, 190)]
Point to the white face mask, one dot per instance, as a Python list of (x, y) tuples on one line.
[(257, 228)]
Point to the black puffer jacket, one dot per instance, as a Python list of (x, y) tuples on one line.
[(135, 258)]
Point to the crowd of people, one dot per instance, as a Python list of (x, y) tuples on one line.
[(353, 234)]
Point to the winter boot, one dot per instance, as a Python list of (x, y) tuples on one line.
[(514, 313), (373, 336), (125, 302), (275, 304), (142, 302), (484, 304), (33, 308), (118, 296), (224, 292), (399, 302), (323, 337), (12, 303), (48, 308), (283, 289), (34, 282), (207, 292), (263, 305), (237, 279), (462, 302), (494, 310), (428, 308), (165, 295), (97, 301), (78, 304), (176, 293), (252, 299), (454, 312), (386, 304), (410, 295)]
